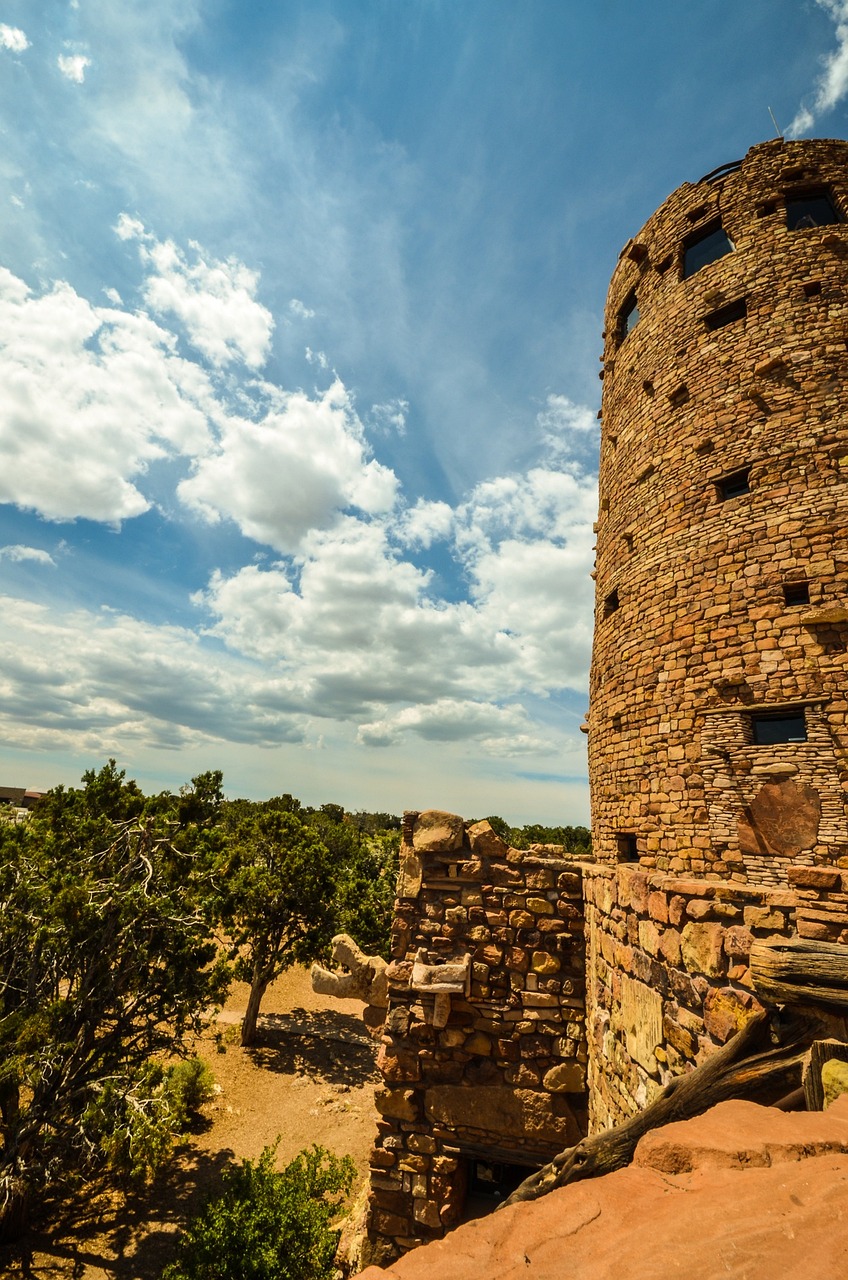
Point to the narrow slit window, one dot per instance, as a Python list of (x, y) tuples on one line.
[(770, 728), (729, 314), (628, 316), (810, 209), (707, 246), (812, 288), (796, 592), (734, 484)]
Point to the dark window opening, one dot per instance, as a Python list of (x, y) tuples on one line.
[(763, 210), (489, 1183), (628, 848), (628, 541), (772, 727), (663, 266), (616, 722), (706, 247), (695, 215), (628, 317), (679, 396), (812, 209), (727, 314), (611, 603), (734, 484), (796, 592), (648, 387), (812, 288)]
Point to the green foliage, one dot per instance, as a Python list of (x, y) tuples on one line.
[(105, 962), (365, 891), (267, 1224), (132, 1124)]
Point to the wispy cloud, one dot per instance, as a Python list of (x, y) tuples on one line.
[(832, 84), (13, 38)]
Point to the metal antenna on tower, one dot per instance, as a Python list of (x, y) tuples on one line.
[(774, 122)]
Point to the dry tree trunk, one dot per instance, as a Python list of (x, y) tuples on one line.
[(743, 1068)]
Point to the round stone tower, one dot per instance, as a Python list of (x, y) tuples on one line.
[(718, 743)]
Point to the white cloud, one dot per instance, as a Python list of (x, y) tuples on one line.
[(90, 397), (18, 554), (13, 38), (424, 524), (456, 720), (73, 66), (832, 84), (297, 308), (317, 357), (214, 300), (99, 683), (290, 472), (390, 416)]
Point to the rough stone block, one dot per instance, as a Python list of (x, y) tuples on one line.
[(701, 947), (438, 832)]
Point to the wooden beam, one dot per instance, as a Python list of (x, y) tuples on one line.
[(801, 971)]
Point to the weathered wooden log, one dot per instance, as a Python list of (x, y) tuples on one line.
[(743, 1068), (801, 971)]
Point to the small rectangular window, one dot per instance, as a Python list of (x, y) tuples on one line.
[(628, 849), (796, 592), (611, 603), (734, 484), (810, 209), (772, 727), (703, 248), (733, 311)]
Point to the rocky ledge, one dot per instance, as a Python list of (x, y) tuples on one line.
[(742, 1191)]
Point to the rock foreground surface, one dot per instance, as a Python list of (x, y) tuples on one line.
[(743, 1191)]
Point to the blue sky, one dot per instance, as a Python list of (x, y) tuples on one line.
[(300, 315)]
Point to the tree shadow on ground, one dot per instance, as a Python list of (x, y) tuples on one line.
[(324, 1044), (125, 1237)]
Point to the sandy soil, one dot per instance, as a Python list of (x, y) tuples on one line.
[(309, 1079)]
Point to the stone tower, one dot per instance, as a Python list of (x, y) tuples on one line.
[(718, 743)]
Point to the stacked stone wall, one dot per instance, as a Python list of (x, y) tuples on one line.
[(484, 1050), (737, 369), (668, 969)]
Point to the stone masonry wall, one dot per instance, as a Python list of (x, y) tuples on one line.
[(722, 599), (667, 965), (484, 1051)]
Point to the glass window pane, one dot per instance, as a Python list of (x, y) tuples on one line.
[(810, 211), (787, 727), (698, 253)]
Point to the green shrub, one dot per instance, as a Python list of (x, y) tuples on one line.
[(267, 1224), (132, 1125)]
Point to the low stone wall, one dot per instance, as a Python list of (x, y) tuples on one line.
[(667, 960), (484, 1050)]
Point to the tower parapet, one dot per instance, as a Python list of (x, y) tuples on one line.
[(719, 692)]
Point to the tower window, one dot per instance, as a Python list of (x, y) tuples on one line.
[(704, 247), (796, 592), (810, 209), (780, 726), (628, 848), (734, 484), (736, 310), (611, 603), (628, 316)]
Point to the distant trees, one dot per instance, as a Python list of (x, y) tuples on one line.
[(577, 840)]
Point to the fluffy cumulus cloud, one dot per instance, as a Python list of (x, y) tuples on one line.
[(214, 301), (73, 66), (91, 396), (13, 38), (832, 84), (292, 471), (18, 554)]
